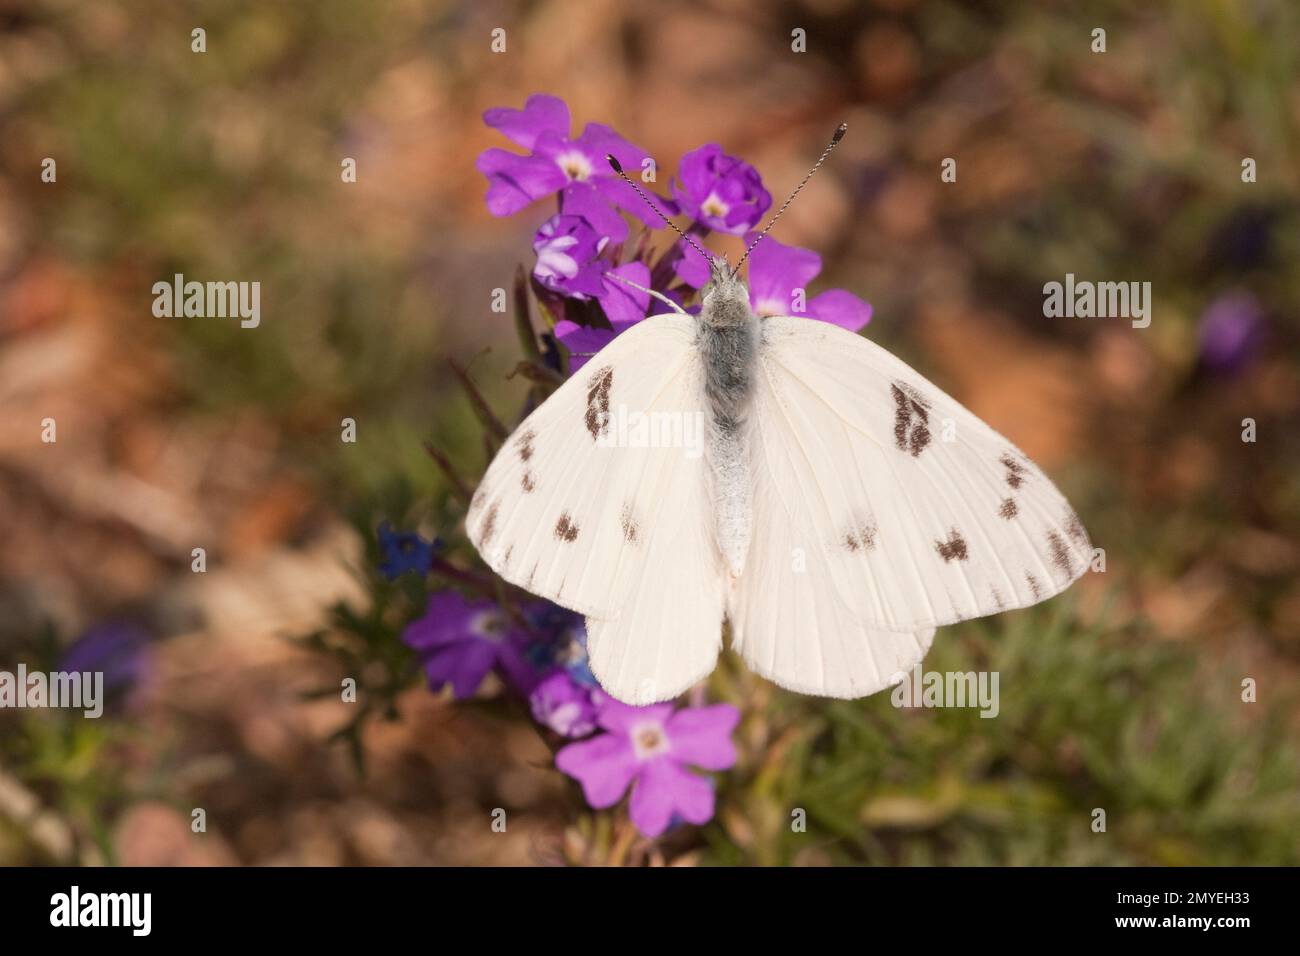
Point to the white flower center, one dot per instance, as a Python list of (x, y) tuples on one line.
[(649, 740), (489, 624), (713, 206), (565, 716), (553, 260), (575, 166)]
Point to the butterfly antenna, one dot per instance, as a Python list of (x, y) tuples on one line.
[(617, 167), (835, 141)]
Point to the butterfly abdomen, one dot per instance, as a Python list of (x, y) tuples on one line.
[(729, 352)]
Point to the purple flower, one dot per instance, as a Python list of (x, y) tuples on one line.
[(622, 304), (404, 551), (720, 192), (565, 705), (567, 250), (119, 650), (650, 748), (1231, 331), (460, 641), (583, 341), (778, 276), (689, 266), (575, 168)]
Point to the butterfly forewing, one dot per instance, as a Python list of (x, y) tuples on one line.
[(913, 511), (571, 508)]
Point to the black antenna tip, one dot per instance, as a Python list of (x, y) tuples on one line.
[(839, 133), (613, 163)]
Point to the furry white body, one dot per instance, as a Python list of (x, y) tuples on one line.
[(733, 496), (729, 339)]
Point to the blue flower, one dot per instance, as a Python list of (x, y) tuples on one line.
[(562, 641), (404, 551)]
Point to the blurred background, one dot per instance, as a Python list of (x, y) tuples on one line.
[(1124, 694)]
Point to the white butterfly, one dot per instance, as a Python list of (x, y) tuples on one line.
[(828, 521)]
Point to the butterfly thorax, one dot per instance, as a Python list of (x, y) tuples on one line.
[(728, 339), (724, 300)]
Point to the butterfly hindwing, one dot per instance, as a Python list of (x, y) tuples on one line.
[(668, 630)]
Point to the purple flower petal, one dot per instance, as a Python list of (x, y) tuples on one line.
[(599, 141), (841, 308), (624, 718), (120, 650), (585, 200), (516, 181), (662, 788), (514, 665), (1231, 331), (691, 267), (696, 170), (701, 736), (623, 305), (463, 665), (562, 704), (582, 341), (620, 194), (567, 250), (541, 114), (447, 618), (775, 272), (604, 765)]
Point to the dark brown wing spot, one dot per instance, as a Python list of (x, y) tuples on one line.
[(911, 418), (630, 528), (598, 386), (952, 549), (509, 551), (489, 524), (476, 503), (526, 481), (1009, 508), (1015, 470), (531, 574), (860, 537), (1034, 586), (1074, 528), (997, 599), (524, 444), (1060, 553), (565, 529)]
